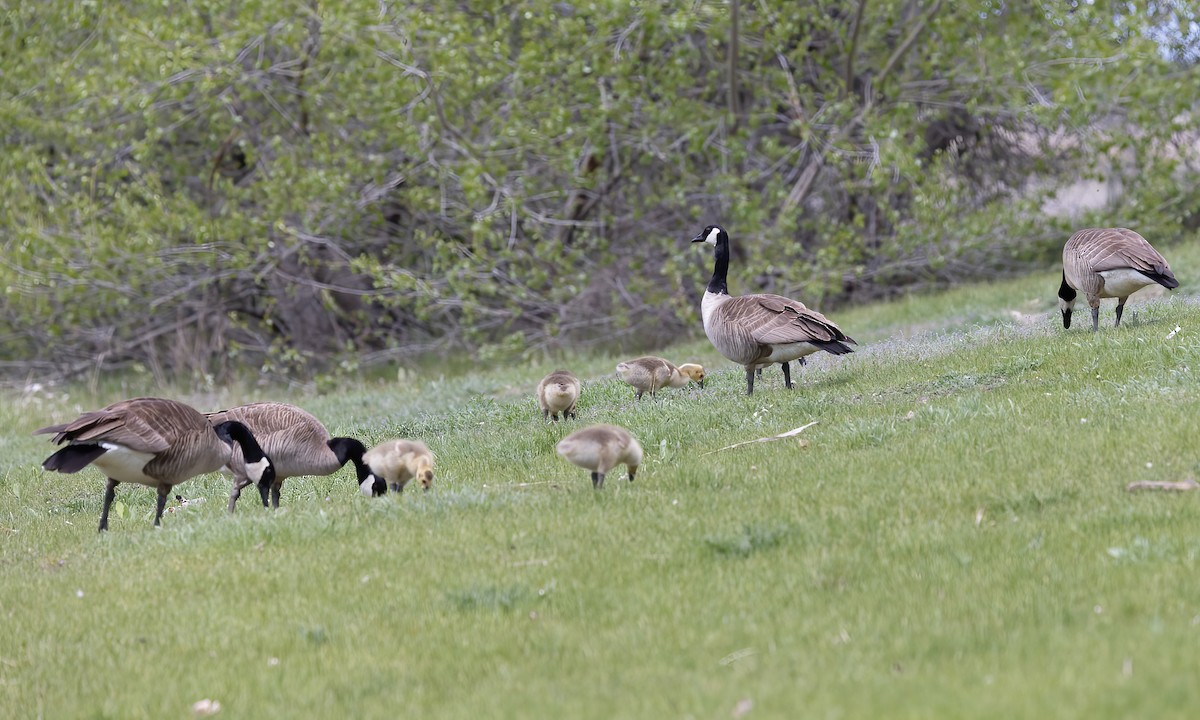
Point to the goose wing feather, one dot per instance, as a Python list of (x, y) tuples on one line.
[(149, 425), (776, 320), (293, 438), (1115, 248)]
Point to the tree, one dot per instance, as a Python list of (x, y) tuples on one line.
[(286, 184)]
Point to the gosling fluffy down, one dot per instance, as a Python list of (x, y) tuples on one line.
[(395, 463), (600, 448), (651, 374), (557, 393)]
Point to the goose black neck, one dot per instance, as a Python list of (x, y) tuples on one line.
[(346, 449), (232, 431), (717, 285), (1065, 291)]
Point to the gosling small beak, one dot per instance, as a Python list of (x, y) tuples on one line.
[(701, 384)]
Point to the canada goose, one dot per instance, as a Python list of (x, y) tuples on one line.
[(601, 448), (1105, 263), (650, 374), (297, 443), (557, 393), (395, 462), (759, 330), (155, 442)]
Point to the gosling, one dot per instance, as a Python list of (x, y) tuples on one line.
[(395, 463), (557, 393), (651, 374), (600, 448)]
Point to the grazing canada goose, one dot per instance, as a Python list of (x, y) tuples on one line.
[(155, 442), (759, 330), (601, 448), (395, 462), (557, 393), (297, 443), (650, 374), (1105, 263)]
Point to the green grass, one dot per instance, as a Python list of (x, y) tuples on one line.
[(952, 539)]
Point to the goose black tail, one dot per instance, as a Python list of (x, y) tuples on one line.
[(1167, 281), (73, 458), (832, 346)]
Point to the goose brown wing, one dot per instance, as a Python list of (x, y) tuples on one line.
[(149, 425), (776, 320), (1116, 248)]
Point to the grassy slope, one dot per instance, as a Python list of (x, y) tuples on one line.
[(953, 540)]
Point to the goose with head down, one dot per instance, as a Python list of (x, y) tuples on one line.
[(1105, 263), (155, 442)]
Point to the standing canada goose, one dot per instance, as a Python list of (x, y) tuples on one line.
[(601, 448), (297, 443), (395, 462), (759, 330), (557, 393), (650, 374), (155, 442), (1105, 263)]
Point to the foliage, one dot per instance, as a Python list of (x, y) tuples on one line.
[(283, 183)]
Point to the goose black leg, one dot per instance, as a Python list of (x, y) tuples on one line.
[(749, 381), (275, 494), (235, 493), (632, 472), (397, 487), (597, 480), (1120, 309), (787, 376), (110, 492), (1095, 319), (163, 491)]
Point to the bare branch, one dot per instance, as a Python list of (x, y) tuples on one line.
[(850, 52)]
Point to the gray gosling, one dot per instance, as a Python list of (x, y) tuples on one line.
[(600, 448), (1105, 263), (392, 464), (296, 442), (557, 393), (155, 442), (759, 330), (651, 374)]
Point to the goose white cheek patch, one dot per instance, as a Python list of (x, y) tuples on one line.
[(712, 236), (366, 486), (255, 470)]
